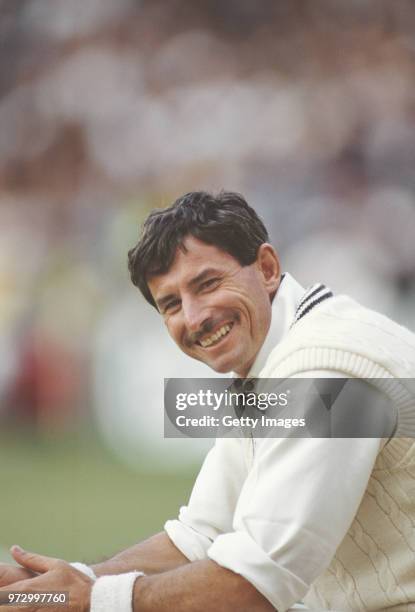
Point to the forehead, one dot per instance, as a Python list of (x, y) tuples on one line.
[(196, 257)]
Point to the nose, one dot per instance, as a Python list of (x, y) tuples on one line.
[(193, 313)]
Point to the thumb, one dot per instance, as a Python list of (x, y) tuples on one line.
[(33, 561)]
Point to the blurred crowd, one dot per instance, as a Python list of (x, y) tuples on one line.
[(111, 108)]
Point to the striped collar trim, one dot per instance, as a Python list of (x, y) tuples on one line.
[(315, 295)]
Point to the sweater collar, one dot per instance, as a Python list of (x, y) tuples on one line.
[(283, 311)]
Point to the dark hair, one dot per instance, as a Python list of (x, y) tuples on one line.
[(225, 220)]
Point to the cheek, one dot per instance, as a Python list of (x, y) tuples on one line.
[(177, 333), (172, 328), (260, 311)]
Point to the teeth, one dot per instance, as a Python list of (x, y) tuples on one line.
[(225, 329)]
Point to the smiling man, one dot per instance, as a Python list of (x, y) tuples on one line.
[(221, 314), (270, 521), (208, 268)]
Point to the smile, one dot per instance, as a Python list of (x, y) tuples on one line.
[(216, 337)]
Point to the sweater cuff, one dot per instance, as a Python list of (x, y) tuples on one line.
[(110, 593), (85, 569)]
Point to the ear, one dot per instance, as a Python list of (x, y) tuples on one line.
[(269, 266)]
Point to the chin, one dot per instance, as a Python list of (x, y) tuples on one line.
[(229, 363), (224, 366), (221, 369)]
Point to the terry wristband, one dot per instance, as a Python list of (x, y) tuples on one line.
[(85, 569), (110, 593)]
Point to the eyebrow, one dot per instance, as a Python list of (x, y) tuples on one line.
[(202, 276), (194, 281)]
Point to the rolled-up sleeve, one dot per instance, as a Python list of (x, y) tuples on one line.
[(294, 509), (213, 501)]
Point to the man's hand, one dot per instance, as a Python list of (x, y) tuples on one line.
[(54, 575), (11, 573)]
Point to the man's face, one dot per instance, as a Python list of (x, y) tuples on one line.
[(216, 310)]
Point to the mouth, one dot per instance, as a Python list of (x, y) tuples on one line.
[(217, 337)]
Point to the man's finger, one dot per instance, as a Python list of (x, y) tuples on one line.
[(33, 561), (12, 573), (21, 585)]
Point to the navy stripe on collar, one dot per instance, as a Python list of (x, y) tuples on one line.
[(313, 296)]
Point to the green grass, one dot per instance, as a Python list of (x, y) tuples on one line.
[(68, 497)]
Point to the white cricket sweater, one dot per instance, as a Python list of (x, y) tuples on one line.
[(374, 565)]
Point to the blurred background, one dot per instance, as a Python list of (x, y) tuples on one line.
[(110, 108)]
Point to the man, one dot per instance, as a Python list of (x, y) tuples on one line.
[(273, 520)]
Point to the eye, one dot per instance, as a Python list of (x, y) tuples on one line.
[(171, 306), (210, 283)]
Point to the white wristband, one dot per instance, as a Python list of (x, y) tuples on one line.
[(85, 569), (114, 593)]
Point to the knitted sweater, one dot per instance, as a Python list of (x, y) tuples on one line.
[(374, 566)]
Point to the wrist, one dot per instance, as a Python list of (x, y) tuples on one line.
[(110, 593), (85, 569)]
